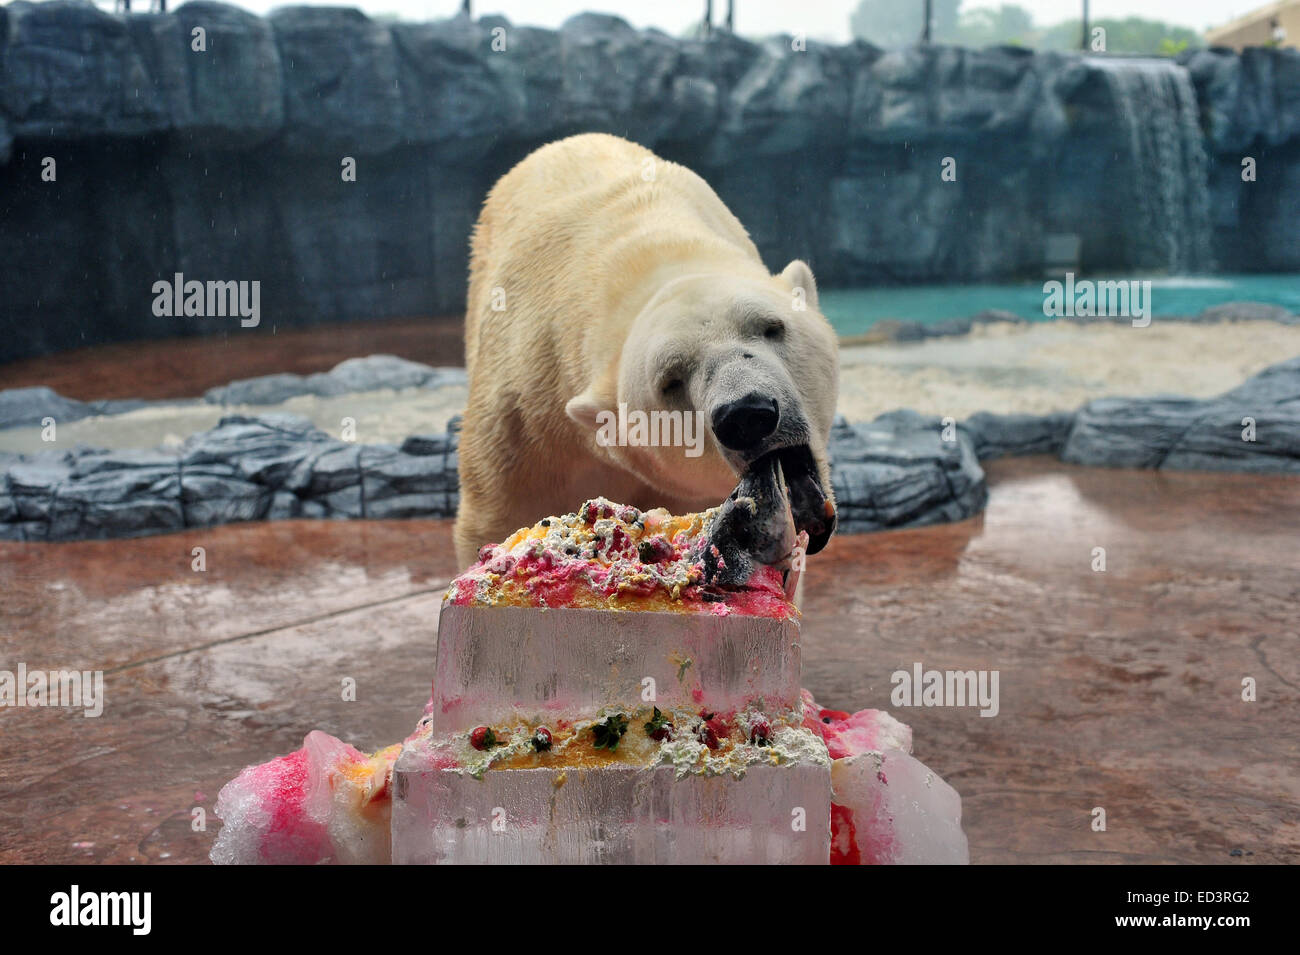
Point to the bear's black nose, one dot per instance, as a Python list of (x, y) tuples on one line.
[(742, 424)]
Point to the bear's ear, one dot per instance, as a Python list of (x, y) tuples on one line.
[(585, 408), (798, 275)]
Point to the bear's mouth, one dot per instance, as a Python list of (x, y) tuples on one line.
[(810, 505), (779, 500)]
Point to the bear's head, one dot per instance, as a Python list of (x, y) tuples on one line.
[(720, 375)]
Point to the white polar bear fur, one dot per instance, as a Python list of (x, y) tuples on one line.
[(576, 243)]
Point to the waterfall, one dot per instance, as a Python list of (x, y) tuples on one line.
[(1156, 105)]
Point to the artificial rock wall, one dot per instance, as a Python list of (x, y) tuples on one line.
[(225, 164)]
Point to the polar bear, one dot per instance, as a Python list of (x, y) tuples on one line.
[(608, 287)]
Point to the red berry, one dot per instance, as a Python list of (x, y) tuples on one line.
[(482, 737), (654, 550), (760, 733), (542, 739), (594, 510), (711, 730)]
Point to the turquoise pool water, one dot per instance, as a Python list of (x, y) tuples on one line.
[(854, 311)]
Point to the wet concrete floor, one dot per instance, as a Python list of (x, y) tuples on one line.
[(1119, 689)]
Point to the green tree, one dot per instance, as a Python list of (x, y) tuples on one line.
[(986, 26), (899, 22), (1130, 35)]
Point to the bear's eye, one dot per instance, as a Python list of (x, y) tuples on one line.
[(774, 331), (672, 387)]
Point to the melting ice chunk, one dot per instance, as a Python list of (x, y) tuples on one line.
[(326, 802), (891, 810)]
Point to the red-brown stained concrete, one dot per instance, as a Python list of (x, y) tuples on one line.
[(1119, 690), (187, 367)]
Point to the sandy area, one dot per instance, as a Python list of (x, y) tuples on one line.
[(1000, 367), (384, 416), (1056, 366)]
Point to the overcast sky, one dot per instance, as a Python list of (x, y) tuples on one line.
[(824, 19)]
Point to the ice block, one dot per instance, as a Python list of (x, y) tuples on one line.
[(329, 803), (675, 787), (612, 816), (598, 697), (503, 663), (609, 606)]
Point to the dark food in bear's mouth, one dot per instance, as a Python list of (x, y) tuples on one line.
[(753, 526), (777, 498), (812, 508)]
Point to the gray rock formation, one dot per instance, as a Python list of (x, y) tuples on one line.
[(347, 377), (895, 472), (1250, 107), (1014, 435), (224, 164), (1255, 427), (247, 468), (898, 471), (29, 407)]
